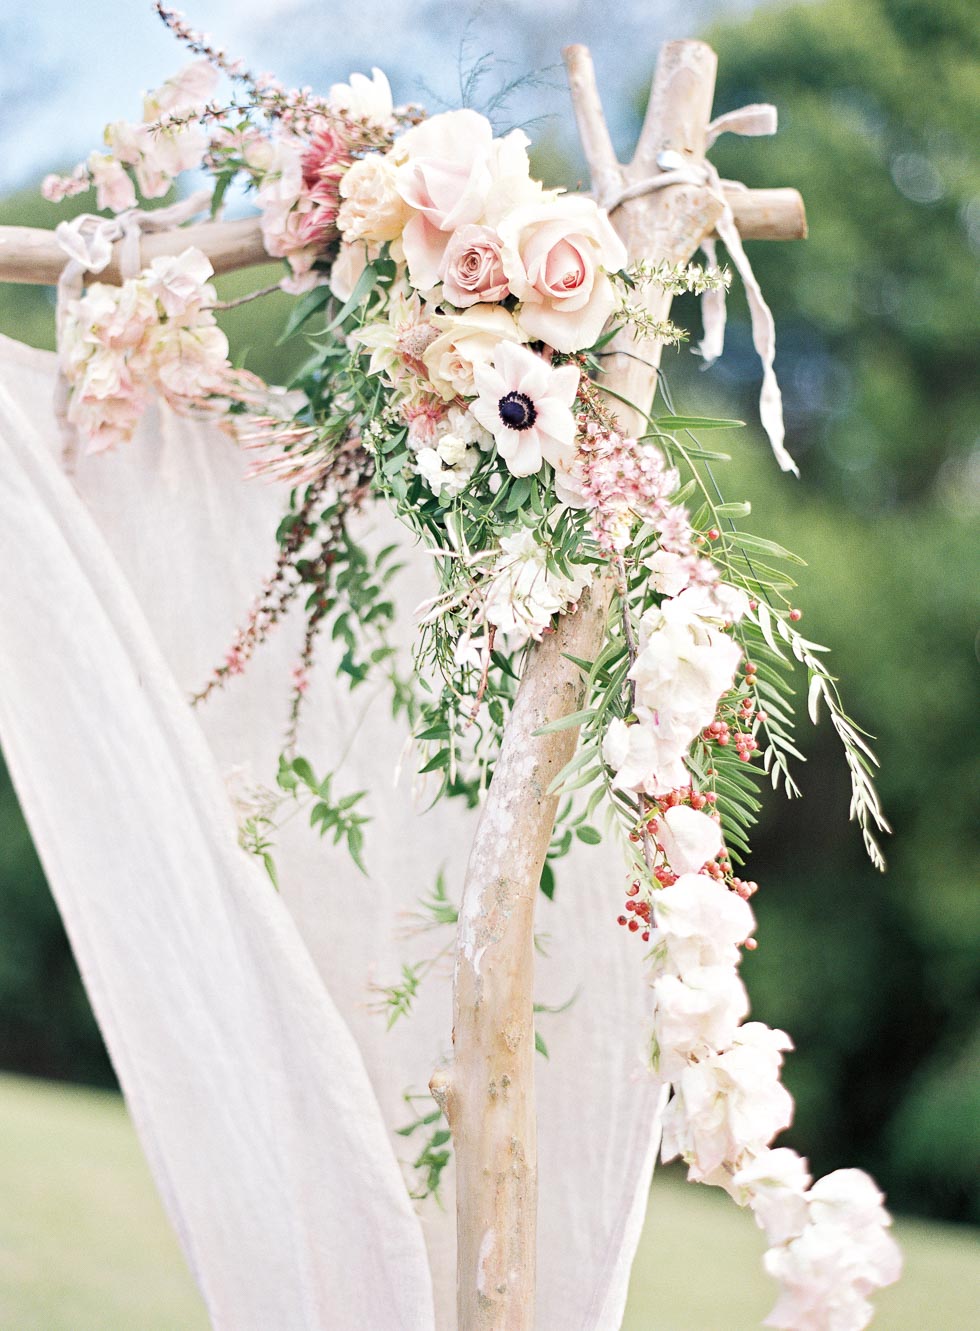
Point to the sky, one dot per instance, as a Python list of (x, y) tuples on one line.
[(67, 67)]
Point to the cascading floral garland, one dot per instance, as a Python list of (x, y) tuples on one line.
[(457, 312)]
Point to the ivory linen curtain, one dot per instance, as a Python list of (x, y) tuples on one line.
[(265, 1088)]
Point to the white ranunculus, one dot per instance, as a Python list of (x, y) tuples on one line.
[(695, 1015), (700, 922), (371, 208), (448, 467), (689, 838)]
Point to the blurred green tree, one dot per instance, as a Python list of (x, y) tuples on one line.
[(876, 977)]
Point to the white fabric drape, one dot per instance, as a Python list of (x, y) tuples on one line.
[(270, 1130)]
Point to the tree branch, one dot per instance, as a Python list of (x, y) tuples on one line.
[(488, 1091)]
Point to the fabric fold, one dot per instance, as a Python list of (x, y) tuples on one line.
[(246, 1087), (193, 540)]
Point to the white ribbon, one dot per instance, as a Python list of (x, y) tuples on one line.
[(88, 242), (759, 118)]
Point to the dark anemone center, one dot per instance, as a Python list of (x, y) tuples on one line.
[(517, 411)]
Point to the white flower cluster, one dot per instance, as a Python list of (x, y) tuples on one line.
[(829, 1242), (523, 593), (685, 664)]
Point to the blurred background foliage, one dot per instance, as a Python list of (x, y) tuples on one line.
[(876, 977)]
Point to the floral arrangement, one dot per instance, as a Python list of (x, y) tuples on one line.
[(457, 314)]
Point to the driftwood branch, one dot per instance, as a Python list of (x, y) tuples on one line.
[(32, 255), (488, 1090)]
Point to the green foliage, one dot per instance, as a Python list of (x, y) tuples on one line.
[(436, 1150), (338, 816)]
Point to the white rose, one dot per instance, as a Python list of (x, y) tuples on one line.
[(464, 341)]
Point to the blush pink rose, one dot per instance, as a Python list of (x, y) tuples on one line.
[(471, 268), (444, 174), (556, 256)]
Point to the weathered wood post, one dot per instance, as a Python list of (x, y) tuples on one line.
[(488, 1090)]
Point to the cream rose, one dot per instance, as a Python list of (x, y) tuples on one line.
[(556, 255), (372, 208), (471, 269), (465, 341)]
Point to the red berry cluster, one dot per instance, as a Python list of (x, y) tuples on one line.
[(723, 732), (638, 916)]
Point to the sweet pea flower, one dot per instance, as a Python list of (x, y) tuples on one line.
[(526, 405), (727, 1106), (684, 666), (640, 761), (189, 90), (180, 282), (699, 922), (694, 1016), (113, 188), (556, 255), (671, 573), (774, 1185), (689, 838), (826, 1274), (848, 1198)]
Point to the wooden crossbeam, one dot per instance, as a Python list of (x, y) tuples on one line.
[(32, 254)]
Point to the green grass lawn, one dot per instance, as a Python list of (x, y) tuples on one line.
[(85, 1246)]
